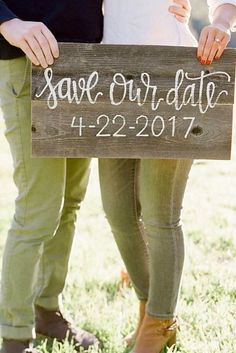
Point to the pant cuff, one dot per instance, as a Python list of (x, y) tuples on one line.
[(48, 303), (160, 316), (18, 333), (143, 299)]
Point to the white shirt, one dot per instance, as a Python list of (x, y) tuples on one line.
[(147, 22), (213, 4)]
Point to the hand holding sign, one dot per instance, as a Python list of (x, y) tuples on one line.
[(214, 38), (33, 38), (212, 43)]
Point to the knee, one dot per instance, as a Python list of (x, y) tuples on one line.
[(71, 206), (69, 211), (35, 224), (163, 224)]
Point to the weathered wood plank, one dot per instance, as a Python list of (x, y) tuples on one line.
[(55, 136), (161, 63), (181, 110)]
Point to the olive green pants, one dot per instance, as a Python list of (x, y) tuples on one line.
[(143, 200), (50, 191)]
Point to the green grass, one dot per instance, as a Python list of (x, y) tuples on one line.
[(208, 298)]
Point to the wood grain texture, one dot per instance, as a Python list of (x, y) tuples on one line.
[(209, 136)]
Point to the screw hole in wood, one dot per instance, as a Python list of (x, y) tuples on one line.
[(197, 130)]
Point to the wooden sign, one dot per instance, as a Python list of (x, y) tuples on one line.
[(133, 102)]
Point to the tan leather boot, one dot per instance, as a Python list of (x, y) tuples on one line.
[(129, 340), (155, 334)]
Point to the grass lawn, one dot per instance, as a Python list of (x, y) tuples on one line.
[(208, 298)]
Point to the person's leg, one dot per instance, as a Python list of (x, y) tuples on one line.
[(162, 189), (55, 258), (119, 190), (41, 184), (119, 179), (54, 262)]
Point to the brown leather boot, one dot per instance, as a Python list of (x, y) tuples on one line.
[(52, 324), (15, 346), (129, 340), (155, 334)]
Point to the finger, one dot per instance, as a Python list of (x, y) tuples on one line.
[(181, 14), (179, 11), (44, 45), (51, 40), (215, 46), (209, 45), (27, 50), (201, 43), (222, 47), (184, 3), (181, 19), (35, 47)]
